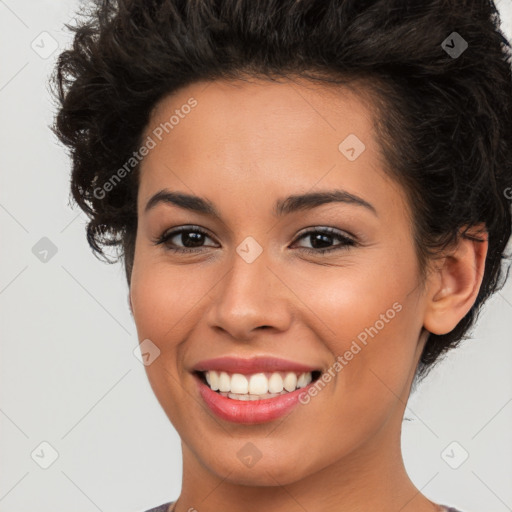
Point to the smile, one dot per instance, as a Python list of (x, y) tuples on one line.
[(246, 408), (256, 386)]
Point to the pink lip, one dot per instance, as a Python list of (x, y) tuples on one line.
[(254, 365), (257, 411)]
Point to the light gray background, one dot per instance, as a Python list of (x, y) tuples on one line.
[(68, 373)]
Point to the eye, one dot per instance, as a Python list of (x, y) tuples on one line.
[(324, 237), (194, 242), (192, 237)]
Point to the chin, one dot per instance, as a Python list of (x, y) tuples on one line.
[(270, 466)]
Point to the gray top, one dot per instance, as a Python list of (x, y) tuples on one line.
[(161, 508), (164, 507)]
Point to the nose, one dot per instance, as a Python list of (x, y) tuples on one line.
[(249, 298)]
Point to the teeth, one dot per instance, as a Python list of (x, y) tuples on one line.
[(302, 381), (248, 397), (275, 383), (239, 384), (257, 385), (224, 382), (290, 382)]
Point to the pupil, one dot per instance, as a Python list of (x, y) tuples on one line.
[(196, 239), (318, 238)]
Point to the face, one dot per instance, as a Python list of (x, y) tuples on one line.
[(254, 280)]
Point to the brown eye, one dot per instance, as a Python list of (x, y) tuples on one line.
[(191, 238), (323, 237)]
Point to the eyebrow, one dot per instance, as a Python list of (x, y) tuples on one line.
[(282, 207)]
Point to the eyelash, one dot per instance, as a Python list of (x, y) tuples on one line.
[(346, 241)]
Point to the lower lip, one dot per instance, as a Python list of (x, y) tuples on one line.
[(251, 411)]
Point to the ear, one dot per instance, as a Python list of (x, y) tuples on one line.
[(455, 283)]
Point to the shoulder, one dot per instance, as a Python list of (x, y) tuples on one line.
[(165, 507), (161, 508)]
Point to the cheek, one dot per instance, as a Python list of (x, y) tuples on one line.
[(154, 304), (373, 321), (161, 301), (162, 297)]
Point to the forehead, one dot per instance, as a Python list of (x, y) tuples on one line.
[(251, 135), (257, 110)]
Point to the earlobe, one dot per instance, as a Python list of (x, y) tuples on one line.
[(455, 284)]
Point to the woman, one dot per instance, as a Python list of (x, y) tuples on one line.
[(311, 199)]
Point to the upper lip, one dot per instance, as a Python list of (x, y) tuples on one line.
[(259, 364)]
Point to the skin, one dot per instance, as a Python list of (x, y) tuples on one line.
[(245, 145)]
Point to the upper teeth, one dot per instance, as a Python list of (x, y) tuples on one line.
[(257, 383)]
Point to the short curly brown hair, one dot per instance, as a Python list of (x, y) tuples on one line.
[(444, 120)]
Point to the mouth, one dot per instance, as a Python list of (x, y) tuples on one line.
[(255, 386), (253, 398)]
